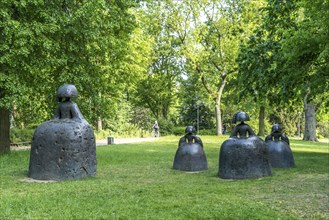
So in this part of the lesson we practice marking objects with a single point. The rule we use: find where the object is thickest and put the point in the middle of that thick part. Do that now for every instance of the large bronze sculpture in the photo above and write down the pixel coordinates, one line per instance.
(280, 154)
(190, 155)
(63, 148)
(243, 155)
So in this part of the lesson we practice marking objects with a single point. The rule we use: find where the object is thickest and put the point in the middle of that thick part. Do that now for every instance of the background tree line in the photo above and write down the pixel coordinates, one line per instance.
(178, 62)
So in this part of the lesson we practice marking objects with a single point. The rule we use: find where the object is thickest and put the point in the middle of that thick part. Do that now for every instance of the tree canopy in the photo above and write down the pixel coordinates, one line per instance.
(162, 60)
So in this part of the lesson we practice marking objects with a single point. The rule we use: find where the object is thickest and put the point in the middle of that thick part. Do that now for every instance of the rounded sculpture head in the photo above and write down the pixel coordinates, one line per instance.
(66, 91)
(189, 130)
(276, 128)
(240, 116)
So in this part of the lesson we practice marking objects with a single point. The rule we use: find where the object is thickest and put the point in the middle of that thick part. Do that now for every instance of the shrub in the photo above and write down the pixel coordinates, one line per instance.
(179, 131)
(166, 127)
(101, 134)
(207, 132)
(323, 129)
(21, 135)
(129, 130)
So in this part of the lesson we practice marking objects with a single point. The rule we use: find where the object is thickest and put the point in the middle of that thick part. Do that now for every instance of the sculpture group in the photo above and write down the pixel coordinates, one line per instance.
(64, 148)
(244, 155)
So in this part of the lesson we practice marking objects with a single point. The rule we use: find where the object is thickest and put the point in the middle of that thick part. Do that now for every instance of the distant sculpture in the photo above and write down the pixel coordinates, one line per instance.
(280, 154)
(243, 155)
(190, 155)
(63, 148)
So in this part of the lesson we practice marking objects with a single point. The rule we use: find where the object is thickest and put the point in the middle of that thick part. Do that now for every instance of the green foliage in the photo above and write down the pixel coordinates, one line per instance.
(130, 130)
(166, 126)
(142, 118)
(127, 131)
(194, 102)
(323, 130)
(45, 44)
(254, 125)
(288, 121)
(178, 130)
(285, 61)
(127, 122)
(101, 134)
(136, 181)
(133, 65)
(21, 135)
(156, 89)
(207, 132)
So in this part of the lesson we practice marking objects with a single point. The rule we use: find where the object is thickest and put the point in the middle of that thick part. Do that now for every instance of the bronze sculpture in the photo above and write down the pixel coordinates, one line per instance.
(190, 155)
(280, 154)
(63, 148)
(243, 155)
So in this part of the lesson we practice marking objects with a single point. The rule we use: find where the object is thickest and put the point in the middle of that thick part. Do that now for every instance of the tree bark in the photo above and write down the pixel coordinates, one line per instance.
(310, 122)
(99, 124)
(261, 125)
(298, 125)
(217, 98)
(4, 130)
(218, 118)
(218, 108)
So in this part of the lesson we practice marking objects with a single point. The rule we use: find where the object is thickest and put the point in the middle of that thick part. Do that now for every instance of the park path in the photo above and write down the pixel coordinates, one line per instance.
(101, 142)
(125, 140)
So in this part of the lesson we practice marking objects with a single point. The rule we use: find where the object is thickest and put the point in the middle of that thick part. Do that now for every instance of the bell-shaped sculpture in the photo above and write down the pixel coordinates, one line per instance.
(63, 148)
(280, 154)
(243, 155)
(190, 155)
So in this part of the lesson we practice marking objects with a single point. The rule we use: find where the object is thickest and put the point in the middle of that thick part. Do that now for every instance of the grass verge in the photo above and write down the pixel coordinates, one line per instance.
(136, 181)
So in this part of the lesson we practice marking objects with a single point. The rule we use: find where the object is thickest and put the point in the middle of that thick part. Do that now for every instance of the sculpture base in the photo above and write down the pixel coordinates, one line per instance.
(190, 157)
(243, 158)
(63, 150)
(280, 154)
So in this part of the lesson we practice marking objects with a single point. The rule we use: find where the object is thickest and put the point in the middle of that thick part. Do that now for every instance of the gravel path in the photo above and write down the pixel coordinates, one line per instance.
(125, 140)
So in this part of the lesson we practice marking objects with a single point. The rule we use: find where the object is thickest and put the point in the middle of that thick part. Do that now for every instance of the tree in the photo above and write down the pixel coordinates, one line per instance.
(47, 43)
(212, 45)
(157, 88)
(305, 57)
(286, 59)
(258, 53)
(194, 109)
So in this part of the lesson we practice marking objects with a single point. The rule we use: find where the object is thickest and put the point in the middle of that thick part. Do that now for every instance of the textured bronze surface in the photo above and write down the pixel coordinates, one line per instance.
(63, 148)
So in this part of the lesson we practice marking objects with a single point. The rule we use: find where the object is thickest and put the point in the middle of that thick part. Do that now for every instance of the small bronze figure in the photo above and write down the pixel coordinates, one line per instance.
(243, 155)
(63, 148)
(190, 155)
(280, 154)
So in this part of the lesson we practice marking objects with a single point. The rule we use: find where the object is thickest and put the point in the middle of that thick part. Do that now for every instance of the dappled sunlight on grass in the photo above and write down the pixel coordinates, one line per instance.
(301, 149)
(308, 146)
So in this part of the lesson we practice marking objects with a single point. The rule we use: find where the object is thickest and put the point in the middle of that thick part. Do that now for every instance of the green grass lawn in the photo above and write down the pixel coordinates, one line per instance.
(136, 181)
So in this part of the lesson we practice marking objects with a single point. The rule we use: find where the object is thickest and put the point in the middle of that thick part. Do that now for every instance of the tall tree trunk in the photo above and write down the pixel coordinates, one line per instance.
(298, 125)
(99, 124)
(99, 118)
(218, 108)
(217, 98)
(261, 125)
(310, 122)
(4, 130)
(218, 118)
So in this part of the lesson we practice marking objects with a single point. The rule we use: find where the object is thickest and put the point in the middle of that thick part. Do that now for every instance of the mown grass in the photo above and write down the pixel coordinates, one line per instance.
(136, 181)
